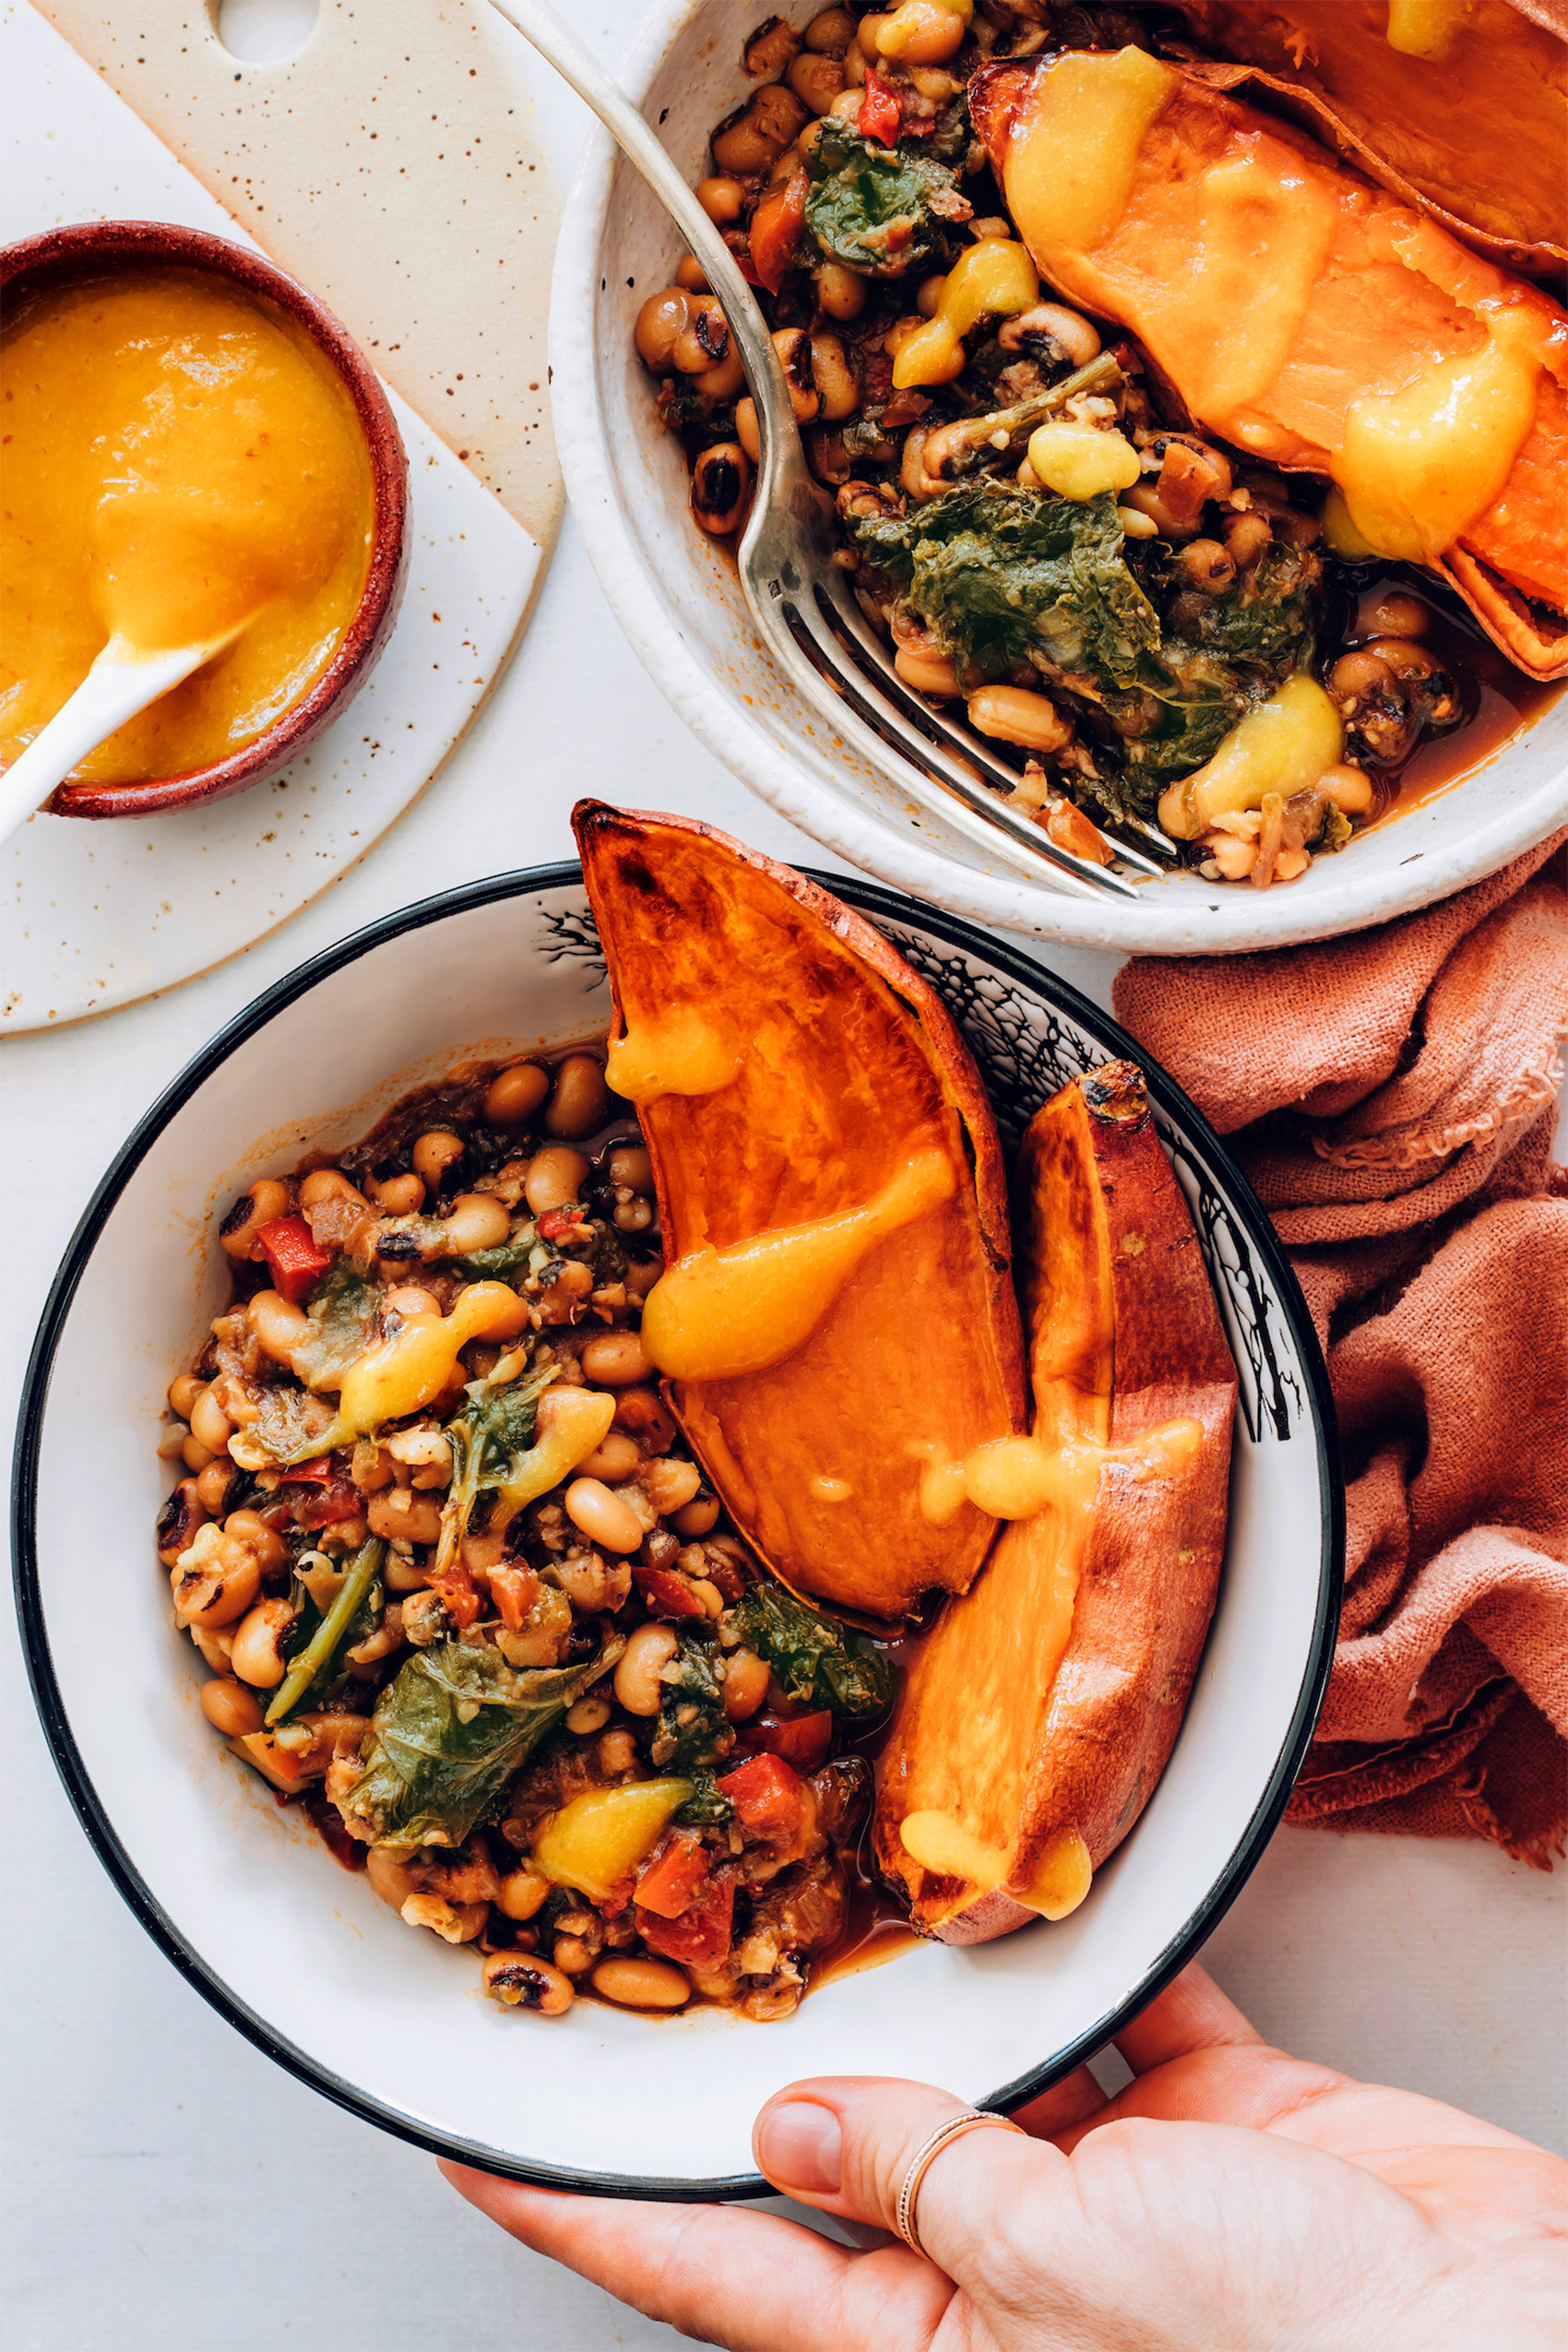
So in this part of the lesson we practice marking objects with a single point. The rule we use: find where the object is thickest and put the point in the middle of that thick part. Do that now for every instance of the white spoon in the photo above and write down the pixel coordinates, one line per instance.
(123, 681)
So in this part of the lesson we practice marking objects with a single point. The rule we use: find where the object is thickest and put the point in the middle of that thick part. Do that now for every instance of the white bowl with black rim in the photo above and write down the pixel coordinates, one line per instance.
(677, 596)
(300, 1955)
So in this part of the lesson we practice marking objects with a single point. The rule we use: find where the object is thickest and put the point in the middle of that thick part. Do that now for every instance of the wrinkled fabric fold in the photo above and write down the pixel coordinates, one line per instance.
(1391, 1096)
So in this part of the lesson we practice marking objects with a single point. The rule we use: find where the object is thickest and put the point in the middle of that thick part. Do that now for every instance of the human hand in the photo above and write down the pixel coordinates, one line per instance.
(1230, 2197)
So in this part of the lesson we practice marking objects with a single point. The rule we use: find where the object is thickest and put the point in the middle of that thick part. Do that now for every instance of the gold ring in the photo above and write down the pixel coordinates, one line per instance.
(968, 2119)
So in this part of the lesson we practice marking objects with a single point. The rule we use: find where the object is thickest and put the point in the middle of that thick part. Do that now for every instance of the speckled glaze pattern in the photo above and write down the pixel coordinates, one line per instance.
(98, 248)
(679, 600)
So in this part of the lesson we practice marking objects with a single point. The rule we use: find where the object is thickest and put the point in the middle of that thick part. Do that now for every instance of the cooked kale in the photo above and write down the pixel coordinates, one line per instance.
(877, 209)
(693, 1734)
(1004, 576)
(810, 1655)
(488, 1438)
(342, 1312)
(449, 1732)
(319, 1637)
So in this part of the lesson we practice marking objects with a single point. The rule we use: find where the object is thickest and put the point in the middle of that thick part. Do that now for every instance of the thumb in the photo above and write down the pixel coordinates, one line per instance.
(845, 2144)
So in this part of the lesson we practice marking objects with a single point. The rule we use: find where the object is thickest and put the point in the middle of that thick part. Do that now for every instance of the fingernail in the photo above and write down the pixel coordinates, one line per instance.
(801, 2145)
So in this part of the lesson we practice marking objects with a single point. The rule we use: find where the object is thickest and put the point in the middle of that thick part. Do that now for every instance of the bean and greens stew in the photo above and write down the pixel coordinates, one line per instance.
(466, 1597)
(1028, 523)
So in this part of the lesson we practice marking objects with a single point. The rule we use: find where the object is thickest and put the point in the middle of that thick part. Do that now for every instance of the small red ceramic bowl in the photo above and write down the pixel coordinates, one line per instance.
(96, 249)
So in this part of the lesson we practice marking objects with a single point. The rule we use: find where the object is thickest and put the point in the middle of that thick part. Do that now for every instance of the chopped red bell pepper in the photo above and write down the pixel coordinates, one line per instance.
(458, 1598)
(803, 1740)
(878, 117)
(556, 1223)
(513, 1591)
(668, 1883)
(775, 231)
(289, 1248)
(338, 1499)
(768, 1796)
(315, 1473)
(664, 1594)
(700, 1936)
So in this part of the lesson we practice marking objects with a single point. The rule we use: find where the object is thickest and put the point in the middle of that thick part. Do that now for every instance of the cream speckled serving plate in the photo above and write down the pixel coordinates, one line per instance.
(99, 915)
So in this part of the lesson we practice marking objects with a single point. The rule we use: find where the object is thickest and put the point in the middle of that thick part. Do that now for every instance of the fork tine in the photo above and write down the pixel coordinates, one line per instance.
(935, 723)
(809, 652)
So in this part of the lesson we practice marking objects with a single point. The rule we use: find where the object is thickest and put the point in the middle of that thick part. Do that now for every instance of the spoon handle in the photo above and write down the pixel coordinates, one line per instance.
(120, 683)
(637, 141)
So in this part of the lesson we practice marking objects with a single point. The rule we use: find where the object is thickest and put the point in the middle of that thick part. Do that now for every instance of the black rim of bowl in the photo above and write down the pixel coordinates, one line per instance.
(884, 904)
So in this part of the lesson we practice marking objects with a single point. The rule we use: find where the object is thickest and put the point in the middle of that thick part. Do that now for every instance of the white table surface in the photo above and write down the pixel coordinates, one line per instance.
(145, 2141)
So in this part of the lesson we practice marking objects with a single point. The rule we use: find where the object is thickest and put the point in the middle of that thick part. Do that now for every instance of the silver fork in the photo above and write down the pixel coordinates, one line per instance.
(805, 613)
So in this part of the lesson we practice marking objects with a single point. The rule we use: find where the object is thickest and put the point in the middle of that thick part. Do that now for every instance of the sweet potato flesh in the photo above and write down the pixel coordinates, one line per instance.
(1039, 1713)
(833, 1209)
(1477, 131)
(1314, 321)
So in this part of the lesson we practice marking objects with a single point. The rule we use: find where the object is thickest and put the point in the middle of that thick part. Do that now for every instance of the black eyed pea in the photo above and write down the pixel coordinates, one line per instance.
(1390, 613)
(669, 1484)
(691, 277)
(521, 1892)
(277, 1325)
(747, 431)
(213, 1483)
(389, 1875)
(515, 1094)
(325, 1185)
(398, 1196)
(587, 1717)
(604, 1516)
(834, 378)
(523, 1981)
(794, 349)
(1207, 566)
(453, 1922)
(778, 113)
(398, 1513)
(616, 1360)
(581, 1100)
(629, 1164)
(183, 1390)
(181, 1515)
(617, 1753)
(1348, 787)
(817, 80)
(267, 1199)
(476, 1222)
(615, 1459)
(641, 1984)
(704, 341)
(839, 293)
(743, 149)
(571, 1955)
(556, 1176)
(745, 1684)
(1246, 536)
(928, 671)
(720, 480)
(648, 1651)
(434, 1152)
(194, 1455)
(216, 1581)
(1013, 715)
(413, 1302)
(257, 1655)
(723, 201)
(660, 321)
(230, 1708)
(831, 33)
(769, 48)
(210, 1425)
(697, 1517)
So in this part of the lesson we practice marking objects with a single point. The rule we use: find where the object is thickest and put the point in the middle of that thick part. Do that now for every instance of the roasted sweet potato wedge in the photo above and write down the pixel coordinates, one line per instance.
(1470, 119)
(831, 1193)
(1306, 317)
(1039, 1713)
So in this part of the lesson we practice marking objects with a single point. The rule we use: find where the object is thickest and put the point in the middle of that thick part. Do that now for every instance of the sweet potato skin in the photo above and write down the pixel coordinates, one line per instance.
(1394, 295)
(1024, 1742)
(1476, 136)
(850, 1056)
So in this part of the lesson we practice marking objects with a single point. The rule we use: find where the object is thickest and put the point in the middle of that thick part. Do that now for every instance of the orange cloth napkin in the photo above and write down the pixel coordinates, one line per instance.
(1392, 1097)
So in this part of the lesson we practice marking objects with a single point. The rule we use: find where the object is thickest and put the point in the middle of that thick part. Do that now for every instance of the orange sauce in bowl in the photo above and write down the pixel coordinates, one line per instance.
(179, 458)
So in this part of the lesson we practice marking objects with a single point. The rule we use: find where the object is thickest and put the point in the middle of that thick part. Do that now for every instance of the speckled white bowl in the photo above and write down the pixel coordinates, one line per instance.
(239, 1892)
(678, 599)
